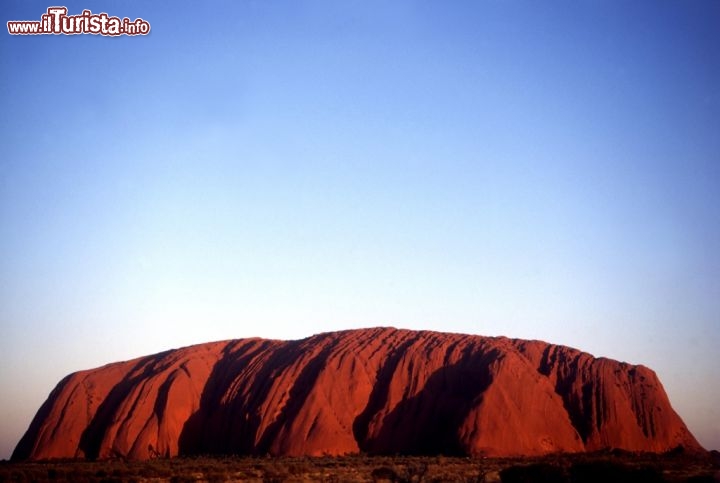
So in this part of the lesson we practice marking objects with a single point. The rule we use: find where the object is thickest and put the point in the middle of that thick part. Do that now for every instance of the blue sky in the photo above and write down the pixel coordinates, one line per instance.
(544, 170)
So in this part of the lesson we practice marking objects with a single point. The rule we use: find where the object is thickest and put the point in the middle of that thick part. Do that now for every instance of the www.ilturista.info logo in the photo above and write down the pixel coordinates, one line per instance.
(57, 21)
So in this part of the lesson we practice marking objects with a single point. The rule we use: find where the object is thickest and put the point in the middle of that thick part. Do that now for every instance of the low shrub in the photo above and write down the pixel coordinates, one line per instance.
(605, 471)
(535, 473)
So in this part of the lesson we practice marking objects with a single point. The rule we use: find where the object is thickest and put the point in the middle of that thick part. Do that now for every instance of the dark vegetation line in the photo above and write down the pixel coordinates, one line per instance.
(586, 468)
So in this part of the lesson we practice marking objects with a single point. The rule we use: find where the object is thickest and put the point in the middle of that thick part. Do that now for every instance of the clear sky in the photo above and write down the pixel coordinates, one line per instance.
(545, 170)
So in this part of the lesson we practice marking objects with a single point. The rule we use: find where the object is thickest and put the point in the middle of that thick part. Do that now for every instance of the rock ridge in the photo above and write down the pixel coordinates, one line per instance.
(379, 390)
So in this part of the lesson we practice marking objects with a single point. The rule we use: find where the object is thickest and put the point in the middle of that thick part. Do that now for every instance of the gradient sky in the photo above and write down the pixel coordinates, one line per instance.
(545, 170)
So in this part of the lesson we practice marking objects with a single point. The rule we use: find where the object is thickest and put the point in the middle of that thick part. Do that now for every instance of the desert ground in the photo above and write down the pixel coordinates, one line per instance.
(598, 467)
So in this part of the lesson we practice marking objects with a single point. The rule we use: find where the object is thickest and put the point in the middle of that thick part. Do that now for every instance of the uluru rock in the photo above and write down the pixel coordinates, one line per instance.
(377, 390)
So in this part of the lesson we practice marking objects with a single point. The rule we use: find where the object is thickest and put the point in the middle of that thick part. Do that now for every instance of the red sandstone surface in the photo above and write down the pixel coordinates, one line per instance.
(377, 390)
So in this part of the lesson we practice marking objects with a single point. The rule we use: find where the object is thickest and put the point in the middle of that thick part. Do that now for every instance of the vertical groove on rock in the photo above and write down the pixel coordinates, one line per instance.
(92, 437)
(379, 393)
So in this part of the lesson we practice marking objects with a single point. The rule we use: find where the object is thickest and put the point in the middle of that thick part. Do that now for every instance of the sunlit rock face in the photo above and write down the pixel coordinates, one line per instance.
(379, 390)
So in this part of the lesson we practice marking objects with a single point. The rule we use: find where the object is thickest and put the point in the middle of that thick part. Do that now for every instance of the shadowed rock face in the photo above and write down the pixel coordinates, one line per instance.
(374, 390)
